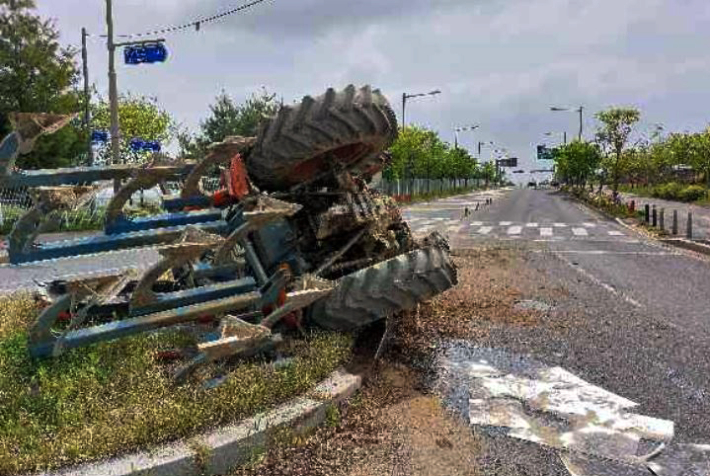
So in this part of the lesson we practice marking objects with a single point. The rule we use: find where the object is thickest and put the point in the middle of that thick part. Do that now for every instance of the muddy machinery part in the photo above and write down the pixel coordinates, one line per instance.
(258, 254)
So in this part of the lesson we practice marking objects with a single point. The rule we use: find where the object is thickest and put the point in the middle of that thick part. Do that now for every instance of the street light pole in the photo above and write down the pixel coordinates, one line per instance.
(580, 110)
(87, 113)
(112, 87)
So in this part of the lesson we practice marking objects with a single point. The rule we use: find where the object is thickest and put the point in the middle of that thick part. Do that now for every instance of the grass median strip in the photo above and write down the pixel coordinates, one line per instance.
(115, 397)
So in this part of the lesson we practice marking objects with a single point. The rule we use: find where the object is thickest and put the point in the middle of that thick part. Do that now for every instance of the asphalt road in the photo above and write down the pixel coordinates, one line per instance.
(636, 313)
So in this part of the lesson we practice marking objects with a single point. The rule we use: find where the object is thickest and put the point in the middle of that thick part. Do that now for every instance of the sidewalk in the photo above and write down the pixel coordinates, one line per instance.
(701, 215)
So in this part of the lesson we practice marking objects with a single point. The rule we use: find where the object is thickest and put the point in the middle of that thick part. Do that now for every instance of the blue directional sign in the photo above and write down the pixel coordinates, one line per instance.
(99, 137)
(140, 145)
(145, 53)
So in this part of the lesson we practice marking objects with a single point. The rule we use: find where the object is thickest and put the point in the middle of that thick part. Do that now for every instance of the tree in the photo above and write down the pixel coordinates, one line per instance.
(140, 117)
(614, 131)
(36, 75)
(576, 162)
(228, 119)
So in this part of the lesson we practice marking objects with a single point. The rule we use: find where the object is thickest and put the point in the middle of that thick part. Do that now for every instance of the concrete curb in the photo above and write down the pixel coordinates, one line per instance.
(687, 245)
(218, 451)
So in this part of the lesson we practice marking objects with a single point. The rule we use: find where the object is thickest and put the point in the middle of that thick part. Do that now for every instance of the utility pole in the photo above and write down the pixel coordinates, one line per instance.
(581, 108)
(564, 134)
(112, 88)
(87, 98)
(404, 103)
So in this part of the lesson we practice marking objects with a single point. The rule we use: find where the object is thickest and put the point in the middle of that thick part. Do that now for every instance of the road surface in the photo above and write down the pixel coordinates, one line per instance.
(636, 312)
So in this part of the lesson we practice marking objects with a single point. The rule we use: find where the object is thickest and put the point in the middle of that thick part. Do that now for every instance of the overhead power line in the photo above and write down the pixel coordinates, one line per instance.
(196, 24)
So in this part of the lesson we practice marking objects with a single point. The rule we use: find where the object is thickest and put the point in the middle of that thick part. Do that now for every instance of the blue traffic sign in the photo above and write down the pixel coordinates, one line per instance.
(99, 137)
(145, 53)
(140, 145)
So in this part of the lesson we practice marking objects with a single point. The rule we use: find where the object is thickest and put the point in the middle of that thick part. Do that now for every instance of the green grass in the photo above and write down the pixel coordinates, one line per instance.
(113, 397)
(81, 219)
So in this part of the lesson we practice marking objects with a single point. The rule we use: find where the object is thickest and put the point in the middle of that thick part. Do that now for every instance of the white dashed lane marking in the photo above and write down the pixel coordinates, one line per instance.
(560, 225)
(531, 225)
(589, 225)
(615, 233)
(505, 223)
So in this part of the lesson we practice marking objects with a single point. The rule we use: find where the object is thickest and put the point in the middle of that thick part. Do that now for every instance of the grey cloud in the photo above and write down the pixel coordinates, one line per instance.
(499, 63)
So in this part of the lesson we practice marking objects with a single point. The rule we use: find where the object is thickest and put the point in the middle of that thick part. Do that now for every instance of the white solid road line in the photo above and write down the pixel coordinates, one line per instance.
(545, 231)
(580, 232)
(515, 230)
(598, 282)
(615, 233)
(505, 223)
(484, 230)
(531, 225)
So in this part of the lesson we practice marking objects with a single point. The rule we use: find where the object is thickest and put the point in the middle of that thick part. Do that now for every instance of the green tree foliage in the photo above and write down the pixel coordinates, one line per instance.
(576, 162)
(420, 153)
(616, 126)
(228, 119)
(37, 75)
(139, 117)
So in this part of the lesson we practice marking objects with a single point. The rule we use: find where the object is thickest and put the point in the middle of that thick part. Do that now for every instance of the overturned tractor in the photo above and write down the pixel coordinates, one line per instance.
(295, 236)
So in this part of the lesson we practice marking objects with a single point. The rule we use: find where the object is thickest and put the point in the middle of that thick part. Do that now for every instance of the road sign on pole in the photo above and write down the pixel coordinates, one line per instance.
(543, 153)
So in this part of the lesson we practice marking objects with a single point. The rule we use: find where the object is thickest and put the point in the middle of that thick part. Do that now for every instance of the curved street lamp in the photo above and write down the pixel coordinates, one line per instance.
(580, 110)
(406, 96)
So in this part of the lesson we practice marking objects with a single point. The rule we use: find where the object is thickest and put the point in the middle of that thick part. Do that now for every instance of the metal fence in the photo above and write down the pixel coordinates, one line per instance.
(15, 202)
(415, 187)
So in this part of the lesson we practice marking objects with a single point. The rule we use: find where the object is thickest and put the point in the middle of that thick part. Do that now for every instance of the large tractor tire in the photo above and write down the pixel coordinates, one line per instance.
(338, 130)
(375, 292)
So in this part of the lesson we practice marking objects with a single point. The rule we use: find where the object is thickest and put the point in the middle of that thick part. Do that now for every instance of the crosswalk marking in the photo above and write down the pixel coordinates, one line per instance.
(545, 231)
(505, 223)
(484, 230)
(560, 225)
(580, 231)
(515, 230)
(531, 225)
(615, 233)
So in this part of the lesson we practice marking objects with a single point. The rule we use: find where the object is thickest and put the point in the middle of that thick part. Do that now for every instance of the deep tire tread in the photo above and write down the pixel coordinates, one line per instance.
(398, 283)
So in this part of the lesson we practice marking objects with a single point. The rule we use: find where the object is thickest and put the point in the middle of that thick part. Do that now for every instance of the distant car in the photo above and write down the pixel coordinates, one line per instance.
(532, 184)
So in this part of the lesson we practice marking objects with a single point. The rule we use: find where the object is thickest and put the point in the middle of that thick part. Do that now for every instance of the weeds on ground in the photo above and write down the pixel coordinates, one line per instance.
(113, 397)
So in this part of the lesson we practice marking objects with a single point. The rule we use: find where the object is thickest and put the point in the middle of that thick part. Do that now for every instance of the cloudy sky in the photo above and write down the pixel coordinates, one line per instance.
(498, 63)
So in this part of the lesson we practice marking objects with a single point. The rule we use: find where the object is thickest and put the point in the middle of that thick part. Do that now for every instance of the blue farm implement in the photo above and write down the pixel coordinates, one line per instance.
(294, 233)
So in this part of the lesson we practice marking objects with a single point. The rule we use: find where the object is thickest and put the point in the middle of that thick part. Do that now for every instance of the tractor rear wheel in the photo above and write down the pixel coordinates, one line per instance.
(347, 130)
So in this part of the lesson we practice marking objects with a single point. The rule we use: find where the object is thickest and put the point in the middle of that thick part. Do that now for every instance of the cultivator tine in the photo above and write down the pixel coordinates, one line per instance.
(101, 288)
(47, 201)
(144, 179)
(238, 338)
(220, 153)
(308, 289)
(28, 127)
(101, 292)
(193, 244)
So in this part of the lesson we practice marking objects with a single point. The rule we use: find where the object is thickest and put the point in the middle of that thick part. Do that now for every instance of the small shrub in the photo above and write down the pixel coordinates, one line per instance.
(691, 193)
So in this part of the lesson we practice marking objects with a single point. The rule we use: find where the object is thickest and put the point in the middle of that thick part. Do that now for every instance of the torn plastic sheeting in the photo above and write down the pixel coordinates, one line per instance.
(596, 421)
(682, 460)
